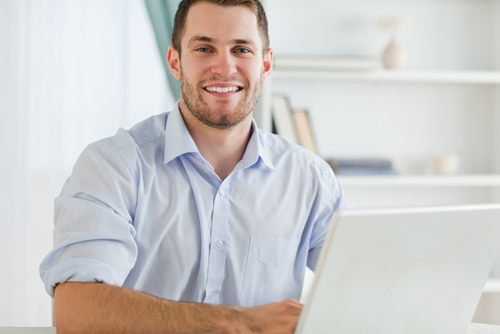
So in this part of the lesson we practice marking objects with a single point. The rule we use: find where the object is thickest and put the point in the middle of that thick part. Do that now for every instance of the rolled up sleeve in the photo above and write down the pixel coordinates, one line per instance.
(94, 232)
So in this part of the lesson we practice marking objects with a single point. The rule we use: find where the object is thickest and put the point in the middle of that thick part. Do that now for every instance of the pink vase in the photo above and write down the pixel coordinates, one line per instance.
(394, 56)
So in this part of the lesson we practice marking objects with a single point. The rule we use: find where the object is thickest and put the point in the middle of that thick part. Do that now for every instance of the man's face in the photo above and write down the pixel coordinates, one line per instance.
(222, 66)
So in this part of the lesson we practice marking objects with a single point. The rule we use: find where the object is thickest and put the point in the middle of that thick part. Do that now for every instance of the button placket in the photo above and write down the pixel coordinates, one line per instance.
(218, 249)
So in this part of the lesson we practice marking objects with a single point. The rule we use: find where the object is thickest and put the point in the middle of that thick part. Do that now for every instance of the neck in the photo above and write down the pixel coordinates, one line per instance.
(222, 148)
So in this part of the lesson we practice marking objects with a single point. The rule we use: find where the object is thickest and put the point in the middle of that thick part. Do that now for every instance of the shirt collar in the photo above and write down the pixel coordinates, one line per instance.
(178, 141)
(256, 149)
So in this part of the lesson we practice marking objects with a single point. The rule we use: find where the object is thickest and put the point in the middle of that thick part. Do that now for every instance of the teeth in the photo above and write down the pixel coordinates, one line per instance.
(222, 89)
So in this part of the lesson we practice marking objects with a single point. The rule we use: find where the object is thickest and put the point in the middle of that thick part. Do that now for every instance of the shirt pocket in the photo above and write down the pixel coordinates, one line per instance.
(269, 275)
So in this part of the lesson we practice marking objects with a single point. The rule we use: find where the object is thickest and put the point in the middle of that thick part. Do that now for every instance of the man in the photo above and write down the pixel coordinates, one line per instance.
(195, 220)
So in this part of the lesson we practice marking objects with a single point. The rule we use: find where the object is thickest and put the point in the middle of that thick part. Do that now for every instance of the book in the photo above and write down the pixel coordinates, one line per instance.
(326, 62)
(362, 162)
(362, 166)
(282, 118)
(359, 171)
(305, 134)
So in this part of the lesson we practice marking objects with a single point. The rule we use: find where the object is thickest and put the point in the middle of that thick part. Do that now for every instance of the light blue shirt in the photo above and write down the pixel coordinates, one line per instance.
(144, 210)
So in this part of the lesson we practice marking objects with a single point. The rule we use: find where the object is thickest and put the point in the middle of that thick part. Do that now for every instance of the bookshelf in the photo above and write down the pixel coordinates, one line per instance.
(452, 77)
(447, 99)
(454, 112)
(420, 190)
(473, 181)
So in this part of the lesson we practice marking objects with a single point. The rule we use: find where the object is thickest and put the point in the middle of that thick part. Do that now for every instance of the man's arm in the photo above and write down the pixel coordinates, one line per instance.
(102, 308)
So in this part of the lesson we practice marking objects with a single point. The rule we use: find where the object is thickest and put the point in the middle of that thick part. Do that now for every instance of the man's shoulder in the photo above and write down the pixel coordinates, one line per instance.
(131, 146)
(142, 133)
(293, 158)
(296, 162)
(149, 129)
(277, 146)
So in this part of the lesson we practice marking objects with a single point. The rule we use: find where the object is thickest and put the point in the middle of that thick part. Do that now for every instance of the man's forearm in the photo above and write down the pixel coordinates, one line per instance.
(101, 308)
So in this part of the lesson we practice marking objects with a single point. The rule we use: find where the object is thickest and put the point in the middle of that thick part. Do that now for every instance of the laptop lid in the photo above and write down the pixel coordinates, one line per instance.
(417, 270)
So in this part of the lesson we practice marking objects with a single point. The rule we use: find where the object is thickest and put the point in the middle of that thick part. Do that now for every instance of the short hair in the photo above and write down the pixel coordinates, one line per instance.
(184, 6)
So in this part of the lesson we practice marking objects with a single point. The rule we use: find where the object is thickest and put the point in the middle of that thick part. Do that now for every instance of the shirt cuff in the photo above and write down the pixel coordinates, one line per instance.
(80, 270)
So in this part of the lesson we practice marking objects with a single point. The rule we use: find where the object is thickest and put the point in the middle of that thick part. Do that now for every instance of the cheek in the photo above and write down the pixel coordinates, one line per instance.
(250, 70)
(193, 68)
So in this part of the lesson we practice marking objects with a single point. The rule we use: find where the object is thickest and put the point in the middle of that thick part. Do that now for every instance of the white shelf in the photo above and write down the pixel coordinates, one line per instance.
(459, 77)
(492, 286)
(489, 180)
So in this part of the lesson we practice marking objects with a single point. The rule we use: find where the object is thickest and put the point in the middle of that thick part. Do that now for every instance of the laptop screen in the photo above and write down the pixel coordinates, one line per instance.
(417, 270)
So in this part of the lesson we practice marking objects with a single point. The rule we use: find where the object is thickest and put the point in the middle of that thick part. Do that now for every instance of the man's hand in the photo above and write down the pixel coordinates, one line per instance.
(102, 308)
(275, 318)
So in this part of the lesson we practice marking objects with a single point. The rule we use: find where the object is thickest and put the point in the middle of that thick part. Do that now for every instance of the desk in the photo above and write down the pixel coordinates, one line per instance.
(27, 330)
(473, 329)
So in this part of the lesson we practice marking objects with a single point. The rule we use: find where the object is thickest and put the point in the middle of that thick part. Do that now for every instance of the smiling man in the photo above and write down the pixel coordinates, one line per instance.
(194, 220)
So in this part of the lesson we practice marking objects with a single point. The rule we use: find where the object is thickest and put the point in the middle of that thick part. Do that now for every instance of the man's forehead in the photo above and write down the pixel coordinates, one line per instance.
(221, 24)
(208, 39)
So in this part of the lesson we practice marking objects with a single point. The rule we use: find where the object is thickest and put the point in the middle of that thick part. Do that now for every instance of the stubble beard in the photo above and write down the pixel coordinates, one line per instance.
(219, 119)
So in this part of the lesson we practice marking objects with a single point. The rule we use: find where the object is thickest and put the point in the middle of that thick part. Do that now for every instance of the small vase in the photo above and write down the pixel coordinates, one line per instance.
(394, 56)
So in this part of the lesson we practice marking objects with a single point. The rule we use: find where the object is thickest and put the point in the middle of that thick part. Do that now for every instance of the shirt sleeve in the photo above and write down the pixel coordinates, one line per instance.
(94, 232)
(333, 202)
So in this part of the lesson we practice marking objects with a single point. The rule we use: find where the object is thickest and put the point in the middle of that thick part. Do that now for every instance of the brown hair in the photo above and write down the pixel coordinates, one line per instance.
(182, 11)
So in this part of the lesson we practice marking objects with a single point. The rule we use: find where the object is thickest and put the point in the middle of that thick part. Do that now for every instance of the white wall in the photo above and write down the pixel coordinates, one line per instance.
(496, 122)
(11, 168)
(71, 72)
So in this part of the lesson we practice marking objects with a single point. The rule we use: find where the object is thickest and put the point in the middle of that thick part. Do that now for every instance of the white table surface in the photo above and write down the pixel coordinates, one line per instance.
(30, 330)
(473, 329)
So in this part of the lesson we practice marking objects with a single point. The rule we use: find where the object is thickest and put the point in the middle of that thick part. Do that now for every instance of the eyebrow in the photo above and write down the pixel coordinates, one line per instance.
(207, 39)
(199, 38)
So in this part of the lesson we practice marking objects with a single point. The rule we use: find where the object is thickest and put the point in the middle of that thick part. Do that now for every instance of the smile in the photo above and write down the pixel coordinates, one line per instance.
(222, 89)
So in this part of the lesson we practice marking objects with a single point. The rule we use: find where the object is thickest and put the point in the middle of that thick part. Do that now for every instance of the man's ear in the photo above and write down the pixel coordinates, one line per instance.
(267, 65)
(174, 62)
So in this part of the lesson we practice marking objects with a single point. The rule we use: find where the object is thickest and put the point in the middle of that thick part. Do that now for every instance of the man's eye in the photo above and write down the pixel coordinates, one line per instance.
(242, 50)
(203, 49)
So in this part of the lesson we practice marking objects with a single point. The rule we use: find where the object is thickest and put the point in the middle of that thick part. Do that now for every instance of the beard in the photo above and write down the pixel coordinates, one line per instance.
(222, 117)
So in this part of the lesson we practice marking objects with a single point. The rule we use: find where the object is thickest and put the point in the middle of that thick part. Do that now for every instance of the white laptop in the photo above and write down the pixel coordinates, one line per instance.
(411, 271)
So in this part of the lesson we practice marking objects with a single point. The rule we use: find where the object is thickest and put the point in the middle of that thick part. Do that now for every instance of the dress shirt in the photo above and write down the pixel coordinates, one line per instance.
(144, 210)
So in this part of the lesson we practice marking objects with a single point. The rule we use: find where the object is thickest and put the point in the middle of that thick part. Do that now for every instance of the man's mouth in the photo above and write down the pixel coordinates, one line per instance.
(213, 89)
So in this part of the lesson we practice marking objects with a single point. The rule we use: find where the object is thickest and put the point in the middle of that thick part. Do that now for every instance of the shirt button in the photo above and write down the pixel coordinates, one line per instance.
(222, 191)
(213, 294)
(220, 244)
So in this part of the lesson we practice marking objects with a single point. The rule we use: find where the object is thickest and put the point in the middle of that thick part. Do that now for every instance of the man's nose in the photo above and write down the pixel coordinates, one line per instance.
(224, 65)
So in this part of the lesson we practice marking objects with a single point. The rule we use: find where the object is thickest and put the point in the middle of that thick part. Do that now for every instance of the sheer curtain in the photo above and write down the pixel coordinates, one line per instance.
(71, 72)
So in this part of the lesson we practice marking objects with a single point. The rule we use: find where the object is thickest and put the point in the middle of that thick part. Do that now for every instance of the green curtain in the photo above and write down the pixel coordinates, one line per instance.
(161, 13)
